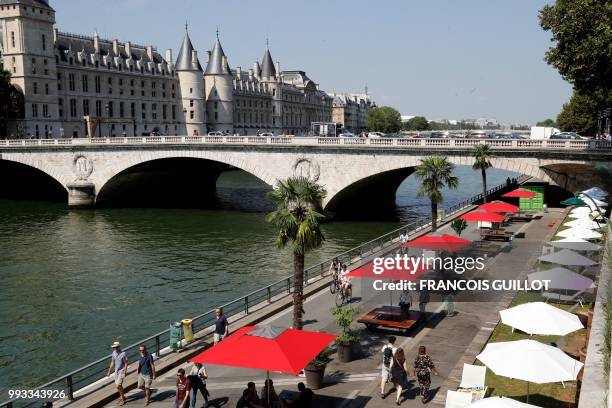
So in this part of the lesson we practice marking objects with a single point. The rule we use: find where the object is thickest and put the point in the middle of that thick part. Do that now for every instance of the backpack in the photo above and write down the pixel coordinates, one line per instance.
(387, 356)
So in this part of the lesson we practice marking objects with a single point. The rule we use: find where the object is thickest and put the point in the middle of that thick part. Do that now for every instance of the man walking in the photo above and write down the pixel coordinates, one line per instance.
(183, 387)
(120, 364)
(221, 326)
(146, 372)
(387, 351)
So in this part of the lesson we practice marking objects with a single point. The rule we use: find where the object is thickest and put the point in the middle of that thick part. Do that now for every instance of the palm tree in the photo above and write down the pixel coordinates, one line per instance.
(482, 155)
(435, 173)
(298, 202)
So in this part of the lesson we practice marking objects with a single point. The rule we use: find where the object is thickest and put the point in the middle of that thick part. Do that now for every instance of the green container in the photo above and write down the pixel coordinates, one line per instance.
(532, 204)
(176, 335)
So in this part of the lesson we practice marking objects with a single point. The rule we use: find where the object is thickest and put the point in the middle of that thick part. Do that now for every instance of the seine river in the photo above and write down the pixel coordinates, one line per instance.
(72, 282)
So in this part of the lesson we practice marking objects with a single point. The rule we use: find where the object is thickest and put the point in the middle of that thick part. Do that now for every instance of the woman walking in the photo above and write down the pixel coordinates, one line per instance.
(423, 367)
(399, 373)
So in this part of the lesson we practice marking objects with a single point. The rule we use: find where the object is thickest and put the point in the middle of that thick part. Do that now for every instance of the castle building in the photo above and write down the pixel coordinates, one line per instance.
(86, 86)
(350, 109)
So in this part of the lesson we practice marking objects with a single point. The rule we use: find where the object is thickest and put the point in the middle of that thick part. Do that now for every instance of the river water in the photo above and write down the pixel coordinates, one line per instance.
(72, 282)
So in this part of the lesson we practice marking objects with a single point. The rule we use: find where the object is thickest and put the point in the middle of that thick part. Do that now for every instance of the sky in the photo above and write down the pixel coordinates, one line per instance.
(440, 58)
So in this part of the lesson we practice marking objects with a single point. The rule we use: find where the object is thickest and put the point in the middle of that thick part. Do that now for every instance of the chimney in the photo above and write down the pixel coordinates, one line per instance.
(128, 49)
(223, 61)
(116, 47)
(150, 52)
(256, 69)
(96, 43)
(278, 71)
(194, 59)
(55, 34)
(169, 56)
(208, 55)
(238, 71)
(250, 74)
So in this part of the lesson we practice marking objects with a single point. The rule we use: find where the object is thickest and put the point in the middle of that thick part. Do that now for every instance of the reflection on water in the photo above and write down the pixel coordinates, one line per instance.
(74, 281)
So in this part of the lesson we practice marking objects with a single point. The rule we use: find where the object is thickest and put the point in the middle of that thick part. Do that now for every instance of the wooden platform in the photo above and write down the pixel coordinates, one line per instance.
(390, 317)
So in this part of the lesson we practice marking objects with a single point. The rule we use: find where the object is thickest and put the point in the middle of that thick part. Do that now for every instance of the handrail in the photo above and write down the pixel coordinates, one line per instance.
(382, 143)
(265, 295)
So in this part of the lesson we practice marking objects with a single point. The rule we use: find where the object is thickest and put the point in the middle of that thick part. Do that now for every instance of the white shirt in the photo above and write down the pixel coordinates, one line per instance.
(201, 372)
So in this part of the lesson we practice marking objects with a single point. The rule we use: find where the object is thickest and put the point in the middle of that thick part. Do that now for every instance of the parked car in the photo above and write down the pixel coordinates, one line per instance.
(217, 133)
(376, 135)
(266, 134)
(347, 134)
(567, 136)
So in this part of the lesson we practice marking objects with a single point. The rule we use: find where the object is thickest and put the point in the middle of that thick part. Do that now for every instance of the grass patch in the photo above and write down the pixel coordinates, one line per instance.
(551, 395)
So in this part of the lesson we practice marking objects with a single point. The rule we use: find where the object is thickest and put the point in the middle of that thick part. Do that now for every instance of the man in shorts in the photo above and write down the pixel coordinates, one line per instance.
(146, 372)
(387, 351)
(120, 364)
(221, 325)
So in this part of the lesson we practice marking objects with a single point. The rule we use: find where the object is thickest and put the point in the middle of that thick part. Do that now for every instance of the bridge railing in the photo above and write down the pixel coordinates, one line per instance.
(91, 374)
(402, 143)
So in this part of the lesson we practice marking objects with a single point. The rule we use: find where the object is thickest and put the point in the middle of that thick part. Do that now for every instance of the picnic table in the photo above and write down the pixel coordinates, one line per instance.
(521, 217)
(391, 317)
(496, 234)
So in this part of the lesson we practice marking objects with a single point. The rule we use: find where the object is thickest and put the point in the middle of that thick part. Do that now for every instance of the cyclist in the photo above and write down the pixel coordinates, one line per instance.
(345, 281)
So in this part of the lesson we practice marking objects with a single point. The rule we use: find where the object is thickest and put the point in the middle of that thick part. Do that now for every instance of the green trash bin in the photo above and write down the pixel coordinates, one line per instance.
(176, 335)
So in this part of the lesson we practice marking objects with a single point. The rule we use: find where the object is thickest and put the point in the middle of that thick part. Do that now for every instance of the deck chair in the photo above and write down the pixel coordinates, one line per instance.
(473, 376)
(561, 298)
(457, 399)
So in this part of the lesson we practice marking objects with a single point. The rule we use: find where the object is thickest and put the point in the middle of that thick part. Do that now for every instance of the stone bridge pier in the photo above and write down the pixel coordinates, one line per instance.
(355, 177)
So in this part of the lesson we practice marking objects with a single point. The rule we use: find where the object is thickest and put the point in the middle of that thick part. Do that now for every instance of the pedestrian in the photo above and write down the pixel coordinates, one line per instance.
(221, 325)
(253, 397)
(269, 398)
(119, 363)
(197, 379)
(423, 300)
(304, 400)
(388, 351)
(146, 372)
(183, 388)
(399, 373)
(508, 182)
(405, 302)
(423, 367)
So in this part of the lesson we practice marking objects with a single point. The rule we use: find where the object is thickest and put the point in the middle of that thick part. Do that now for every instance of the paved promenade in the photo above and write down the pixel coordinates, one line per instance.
(451, 341)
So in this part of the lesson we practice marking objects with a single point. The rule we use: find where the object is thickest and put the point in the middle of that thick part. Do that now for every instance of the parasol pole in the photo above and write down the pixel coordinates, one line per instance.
(268, 386)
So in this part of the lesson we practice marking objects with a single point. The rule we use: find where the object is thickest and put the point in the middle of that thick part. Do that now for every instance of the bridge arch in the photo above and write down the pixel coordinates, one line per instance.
(26, 179)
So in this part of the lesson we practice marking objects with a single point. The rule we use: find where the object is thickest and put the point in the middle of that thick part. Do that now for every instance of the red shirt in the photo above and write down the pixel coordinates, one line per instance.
(182, 388)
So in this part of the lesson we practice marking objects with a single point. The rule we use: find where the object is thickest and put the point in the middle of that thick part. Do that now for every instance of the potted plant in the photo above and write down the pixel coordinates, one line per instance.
(347, 339)
(315, 371)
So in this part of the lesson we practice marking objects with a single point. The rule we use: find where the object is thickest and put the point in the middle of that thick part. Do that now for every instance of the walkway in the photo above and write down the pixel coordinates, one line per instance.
(450, 340)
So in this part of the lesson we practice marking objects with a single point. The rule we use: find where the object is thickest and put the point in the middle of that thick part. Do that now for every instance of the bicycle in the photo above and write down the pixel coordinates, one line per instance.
(344, 296)
(334, 285)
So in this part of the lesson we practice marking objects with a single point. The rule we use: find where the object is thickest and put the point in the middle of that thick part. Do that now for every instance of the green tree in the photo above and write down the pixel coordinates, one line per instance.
(435, 173)
(547, 123)
(383, 119)
(581, 52)
(482, 155)
(298, 203)
(417, 123)
(458, 225)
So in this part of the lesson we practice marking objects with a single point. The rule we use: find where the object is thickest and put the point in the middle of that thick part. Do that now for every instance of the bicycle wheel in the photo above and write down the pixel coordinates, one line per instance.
(332, 286)
(339, 299)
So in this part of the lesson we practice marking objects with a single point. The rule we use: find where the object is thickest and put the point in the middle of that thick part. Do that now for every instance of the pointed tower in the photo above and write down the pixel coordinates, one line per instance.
(191, 83)
(219, 86)
(270, 75)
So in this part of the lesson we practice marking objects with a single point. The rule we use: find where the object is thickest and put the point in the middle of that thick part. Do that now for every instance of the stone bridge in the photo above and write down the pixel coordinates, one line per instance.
(363, 171)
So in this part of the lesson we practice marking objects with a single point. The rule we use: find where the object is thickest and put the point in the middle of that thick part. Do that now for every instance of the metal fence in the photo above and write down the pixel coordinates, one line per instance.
(94, 371)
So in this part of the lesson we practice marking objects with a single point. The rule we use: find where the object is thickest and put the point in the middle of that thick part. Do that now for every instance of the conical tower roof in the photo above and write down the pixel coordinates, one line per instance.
(215, 62)
(267, 68)
(184, 61)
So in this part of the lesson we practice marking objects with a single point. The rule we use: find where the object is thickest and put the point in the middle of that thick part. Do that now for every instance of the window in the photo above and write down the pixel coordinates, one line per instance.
(121, 109)
(144, 110)
(45, 110)
(85, 83)
(110, 109)
(216, 116)
(173, 112)
(71, 82)
(44, 42)
(35, 87)
(98, 108)
(73, 108)
(164, 112)
(191, 103)
(110, 80)
(133, 109)
(97, 83)
(60, 102)
(46, 89)
(190, 114)
(216, 105)
(190, 90)
(154, 111)
(13, 39)
(86, 107)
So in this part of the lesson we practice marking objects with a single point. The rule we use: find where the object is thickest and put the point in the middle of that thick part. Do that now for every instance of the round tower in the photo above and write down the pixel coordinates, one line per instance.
(219, 85)
(191, 84)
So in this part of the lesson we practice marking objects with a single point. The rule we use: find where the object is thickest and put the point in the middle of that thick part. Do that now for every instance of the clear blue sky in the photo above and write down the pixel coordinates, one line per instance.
(442, 59)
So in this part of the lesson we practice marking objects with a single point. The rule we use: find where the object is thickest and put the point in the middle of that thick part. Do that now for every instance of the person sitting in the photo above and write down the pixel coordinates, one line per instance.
(304, 400)
(244, 402)
(268, 396)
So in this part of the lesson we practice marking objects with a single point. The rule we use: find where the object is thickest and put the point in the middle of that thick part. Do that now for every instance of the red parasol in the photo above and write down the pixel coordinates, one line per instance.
(499, 207)
(269, 348)
(442, 242)
(483, 216)
(410, 272)
(520, 193)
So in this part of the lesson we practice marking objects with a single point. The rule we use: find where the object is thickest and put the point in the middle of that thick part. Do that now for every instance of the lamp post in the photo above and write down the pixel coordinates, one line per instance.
(106, 108)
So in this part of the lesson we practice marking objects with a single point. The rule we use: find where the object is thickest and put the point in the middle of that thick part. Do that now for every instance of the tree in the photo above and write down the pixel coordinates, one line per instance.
(435, 173)
(580, 114)
(482, 155)
(298, 203)
(582, 33)
(417, 123)
(547, 123)
(458, 225)
(383, 119)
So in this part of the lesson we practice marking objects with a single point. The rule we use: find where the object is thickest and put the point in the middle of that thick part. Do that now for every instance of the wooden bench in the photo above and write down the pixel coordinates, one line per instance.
(520, 218)
(496, 235)
(390, 317)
